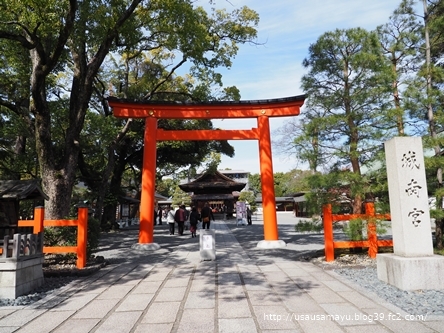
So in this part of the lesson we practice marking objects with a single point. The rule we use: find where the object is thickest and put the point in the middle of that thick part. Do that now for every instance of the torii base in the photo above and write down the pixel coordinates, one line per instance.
(274, 244)
(145, 246)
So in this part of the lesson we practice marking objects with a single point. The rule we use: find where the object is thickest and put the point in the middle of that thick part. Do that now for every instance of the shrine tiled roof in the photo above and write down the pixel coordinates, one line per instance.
(21, 189)
(210, 183)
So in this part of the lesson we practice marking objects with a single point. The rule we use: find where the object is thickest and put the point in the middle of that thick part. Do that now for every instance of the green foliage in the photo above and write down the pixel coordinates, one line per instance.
(347, 107)
(67, 236)
(254, 182)
(401, 39)
(180, 197)
(250, 198)
(348, 84)
(381, 227)
(437, 214)
(314, 225)
(93, 236)
(211, 162)
(166, 186)
(300, 137)
(60, 236)
(58, 53)
(355, 229)
(285, 183)
(297, 181)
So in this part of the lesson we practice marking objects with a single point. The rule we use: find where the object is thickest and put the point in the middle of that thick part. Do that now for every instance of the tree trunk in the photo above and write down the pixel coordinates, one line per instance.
(439, 224)
(430, 117)
(114, 187)
(57, 185)
(109, 216)
(104, 188)
(110, 169)
(134, 209)
(357, 204)
(396, 100)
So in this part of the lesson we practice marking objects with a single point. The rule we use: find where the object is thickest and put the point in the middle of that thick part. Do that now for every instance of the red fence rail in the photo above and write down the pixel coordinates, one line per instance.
(372, 242)
(39, 223)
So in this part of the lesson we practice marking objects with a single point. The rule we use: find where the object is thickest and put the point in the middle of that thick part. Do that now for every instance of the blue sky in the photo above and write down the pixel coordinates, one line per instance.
(274, 69)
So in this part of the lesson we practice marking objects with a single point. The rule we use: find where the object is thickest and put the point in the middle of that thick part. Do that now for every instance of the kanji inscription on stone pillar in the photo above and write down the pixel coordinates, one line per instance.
(409, 206)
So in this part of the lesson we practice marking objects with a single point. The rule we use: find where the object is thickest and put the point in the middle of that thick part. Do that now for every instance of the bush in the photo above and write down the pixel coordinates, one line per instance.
(356, 229)
(67, 236)
(93, 236)
(315, 225)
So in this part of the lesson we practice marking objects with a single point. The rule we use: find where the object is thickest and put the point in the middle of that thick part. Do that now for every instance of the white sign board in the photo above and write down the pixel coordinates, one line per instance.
(207, 242)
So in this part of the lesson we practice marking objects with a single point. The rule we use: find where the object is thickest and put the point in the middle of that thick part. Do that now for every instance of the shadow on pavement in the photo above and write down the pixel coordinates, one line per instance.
(299, 246)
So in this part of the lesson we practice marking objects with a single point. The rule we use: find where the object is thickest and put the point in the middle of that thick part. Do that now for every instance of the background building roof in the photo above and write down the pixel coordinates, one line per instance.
(21, 189)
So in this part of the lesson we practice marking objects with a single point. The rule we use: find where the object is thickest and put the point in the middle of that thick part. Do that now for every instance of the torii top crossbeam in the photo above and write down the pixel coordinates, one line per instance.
(279, 107)
(262, 110)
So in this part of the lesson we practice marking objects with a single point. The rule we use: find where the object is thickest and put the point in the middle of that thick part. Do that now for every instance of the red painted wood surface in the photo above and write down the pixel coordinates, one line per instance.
(38, 224)
(261, 110)
(372, 243)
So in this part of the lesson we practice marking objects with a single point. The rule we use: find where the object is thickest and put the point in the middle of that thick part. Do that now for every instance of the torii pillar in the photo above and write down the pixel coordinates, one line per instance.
(262, 110)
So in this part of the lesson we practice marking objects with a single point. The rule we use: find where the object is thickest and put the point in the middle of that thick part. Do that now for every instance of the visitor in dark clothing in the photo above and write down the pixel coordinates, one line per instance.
(206, 214)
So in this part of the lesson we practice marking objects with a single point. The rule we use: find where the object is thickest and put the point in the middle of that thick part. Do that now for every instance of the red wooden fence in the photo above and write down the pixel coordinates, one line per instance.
(372, 242)
(38, 224)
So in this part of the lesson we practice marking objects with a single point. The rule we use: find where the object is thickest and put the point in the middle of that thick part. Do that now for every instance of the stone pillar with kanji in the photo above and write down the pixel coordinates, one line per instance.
(412, 265)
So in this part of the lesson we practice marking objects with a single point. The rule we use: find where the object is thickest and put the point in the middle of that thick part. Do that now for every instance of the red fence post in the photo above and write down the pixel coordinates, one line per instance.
(371, 230)
(39, 216)
(328, 232)
(82, 236)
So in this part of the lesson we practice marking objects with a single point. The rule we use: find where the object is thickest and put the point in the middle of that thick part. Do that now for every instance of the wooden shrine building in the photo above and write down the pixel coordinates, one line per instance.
(215, 188)
(12, 192)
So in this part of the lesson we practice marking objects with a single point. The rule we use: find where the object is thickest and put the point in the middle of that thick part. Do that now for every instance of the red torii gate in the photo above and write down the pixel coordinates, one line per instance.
(262, 110)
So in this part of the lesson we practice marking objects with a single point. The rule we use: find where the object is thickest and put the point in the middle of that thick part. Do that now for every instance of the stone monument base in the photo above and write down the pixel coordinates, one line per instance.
(19, 277)
(274, 244)
(411, 273)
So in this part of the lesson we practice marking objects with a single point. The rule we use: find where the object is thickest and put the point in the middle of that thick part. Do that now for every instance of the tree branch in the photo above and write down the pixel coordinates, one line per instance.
(148, 96)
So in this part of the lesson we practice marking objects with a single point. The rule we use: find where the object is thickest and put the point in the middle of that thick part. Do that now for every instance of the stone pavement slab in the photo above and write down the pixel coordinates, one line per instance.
(243, 290)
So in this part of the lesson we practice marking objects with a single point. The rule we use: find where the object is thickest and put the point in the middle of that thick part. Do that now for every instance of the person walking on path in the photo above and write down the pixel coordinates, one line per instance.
(249, 215)
(187, 218)
(206, 214)
(170, 220)
(180, 216)
(159, 215)
(194, 219)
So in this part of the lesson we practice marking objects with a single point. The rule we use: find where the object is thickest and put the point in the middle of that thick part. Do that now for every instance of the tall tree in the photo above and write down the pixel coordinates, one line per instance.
(67, 43)
(254, 183)
(347, 87)
(433, 76)
(401, 39)
(133, 77)
(16, 124)
(424, 100)
(299, 137)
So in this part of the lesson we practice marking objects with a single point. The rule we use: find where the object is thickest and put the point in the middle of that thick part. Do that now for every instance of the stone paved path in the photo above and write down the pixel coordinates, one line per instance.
(244, 290)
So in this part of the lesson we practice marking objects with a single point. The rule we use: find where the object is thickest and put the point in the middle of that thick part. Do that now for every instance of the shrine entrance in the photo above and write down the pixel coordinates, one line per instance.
(262, 110)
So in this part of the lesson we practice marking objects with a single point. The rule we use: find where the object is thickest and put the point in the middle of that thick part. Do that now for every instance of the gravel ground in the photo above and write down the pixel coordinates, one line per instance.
(58, 273)
(419, 302)
(361, 270)
(50, 285)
